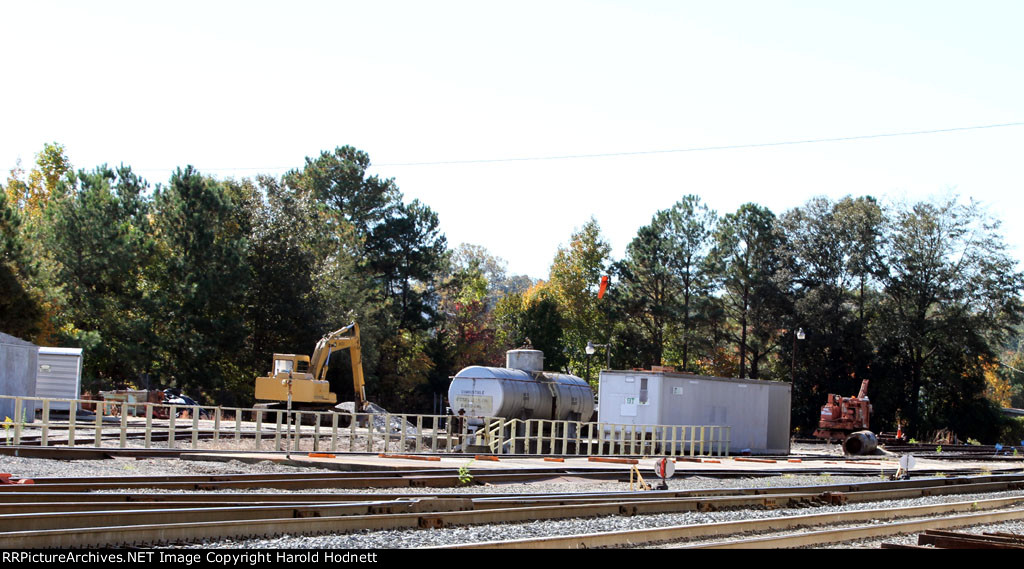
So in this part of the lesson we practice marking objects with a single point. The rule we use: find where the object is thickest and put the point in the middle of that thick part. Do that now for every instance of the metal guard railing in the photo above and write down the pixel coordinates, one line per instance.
(116, 424)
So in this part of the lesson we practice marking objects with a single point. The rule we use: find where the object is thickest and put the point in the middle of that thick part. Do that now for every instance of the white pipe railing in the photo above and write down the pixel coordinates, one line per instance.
(157, 425)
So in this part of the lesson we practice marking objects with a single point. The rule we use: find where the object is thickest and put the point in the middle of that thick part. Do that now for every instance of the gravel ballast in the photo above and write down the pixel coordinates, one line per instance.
(543, 528)
(28, 468)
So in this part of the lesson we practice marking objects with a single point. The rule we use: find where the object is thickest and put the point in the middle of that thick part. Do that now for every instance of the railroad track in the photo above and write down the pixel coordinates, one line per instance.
(939, 539)
(796, 531)
(397, 478)
(37, 518)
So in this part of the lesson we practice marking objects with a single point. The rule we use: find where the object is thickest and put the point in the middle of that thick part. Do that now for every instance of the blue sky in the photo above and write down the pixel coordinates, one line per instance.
(239, 88)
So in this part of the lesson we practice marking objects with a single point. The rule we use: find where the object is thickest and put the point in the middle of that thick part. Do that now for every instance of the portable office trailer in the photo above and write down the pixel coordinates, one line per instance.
(18, 362)
(757, 412)
(59, 375)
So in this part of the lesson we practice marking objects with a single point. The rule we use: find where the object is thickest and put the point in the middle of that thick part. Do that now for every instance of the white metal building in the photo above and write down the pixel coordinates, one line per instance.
(758, 412)
(18, 362)
(59, 375)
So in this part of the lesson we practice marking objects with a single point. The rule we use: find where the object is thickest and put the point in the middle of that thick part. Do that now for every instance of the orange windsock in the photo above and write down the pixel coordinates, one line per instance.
(604, 287)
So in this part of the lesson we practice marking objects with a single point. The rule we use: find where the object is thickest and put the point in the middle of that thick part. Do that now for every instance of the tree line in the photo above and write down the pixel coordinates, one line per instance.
(195, 282)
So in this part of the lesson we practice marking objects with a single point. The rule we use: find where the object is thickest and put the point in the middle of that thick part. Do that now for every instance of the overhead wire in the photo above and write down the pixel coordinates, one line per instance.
(708, 148)
(653, 152)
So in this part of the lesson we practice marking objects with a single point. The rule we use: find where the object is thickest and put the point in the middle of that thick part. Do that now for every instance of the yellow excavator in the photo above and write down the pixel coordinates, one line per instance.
(303, 379)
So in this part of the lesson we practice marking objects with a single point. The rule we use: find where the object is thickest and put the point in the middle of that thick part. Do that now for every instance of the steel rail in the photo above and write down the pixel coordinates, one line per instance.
(94, 528)
(60, 490)
(440, 480)
(90, 519)
(519, 512)
(721, 529)
(67, 501)
(824, 537)
(918, 481)
(396, 477)
(367, 473)
(62, 507)
(175, 532)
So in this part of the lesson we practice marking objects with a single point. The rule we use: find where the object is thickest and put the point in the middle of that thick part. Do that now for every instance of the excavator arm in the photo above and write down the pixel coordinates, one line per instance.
(347, 337)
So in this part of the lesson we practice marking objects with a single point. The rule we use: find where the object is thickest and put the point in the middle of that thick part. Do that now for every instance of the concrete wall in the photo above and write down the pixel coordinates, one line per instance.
(19, 361)
(757, 412)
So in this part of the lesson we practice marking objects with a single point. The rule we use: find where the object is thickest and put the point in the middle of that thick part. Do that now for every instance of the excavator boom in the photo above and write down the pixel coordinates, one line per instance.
(319, 362)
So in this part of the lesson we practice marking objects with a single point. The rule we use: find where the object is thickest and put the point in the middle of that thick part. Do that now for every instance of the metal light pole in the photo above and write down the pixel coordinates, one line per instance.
(798, 336)
(592, 347)
(288, 419)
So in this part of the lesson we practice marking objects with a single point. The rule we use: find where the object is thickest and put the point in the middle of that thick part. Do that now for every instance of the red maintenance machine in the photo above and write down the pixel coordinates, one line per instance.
(847, 419)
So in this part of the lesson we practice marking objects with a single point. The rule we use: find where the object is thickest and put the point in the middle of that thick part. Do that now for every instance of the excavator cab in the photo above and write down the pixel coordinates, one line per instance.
(288, 363)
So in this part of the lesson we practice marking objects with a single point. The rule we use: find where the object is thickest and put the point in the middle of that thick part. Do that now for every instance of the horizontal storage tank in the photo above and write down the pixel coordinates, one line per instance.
(517, 394)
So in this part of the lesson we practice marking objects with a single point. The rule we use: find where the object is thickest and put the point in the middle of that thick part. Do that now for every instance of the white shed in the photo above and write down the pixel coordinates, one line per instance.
(59, 375)
(757, 412)
(17, 375)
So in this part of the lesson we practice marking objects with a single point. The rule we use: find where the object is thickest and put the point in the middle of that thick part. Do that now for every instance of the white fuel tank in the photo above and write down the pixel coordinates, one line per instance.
(517, 394)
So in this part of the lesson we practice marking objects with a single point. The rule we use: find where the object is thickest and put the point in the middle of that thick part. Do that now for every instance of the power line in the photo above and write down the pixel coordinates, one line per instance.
(707, 148)
(650, 152)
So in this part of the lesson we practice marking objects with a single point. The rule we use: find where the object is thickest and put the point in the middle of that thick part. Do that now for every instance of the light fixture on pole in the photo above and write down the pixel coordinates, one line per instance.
(592, 348)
